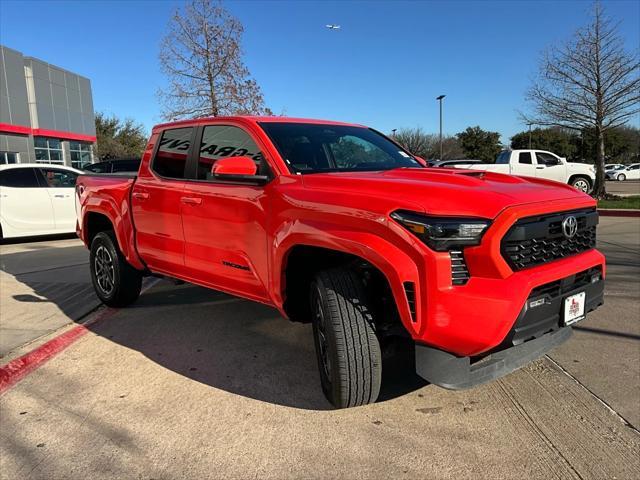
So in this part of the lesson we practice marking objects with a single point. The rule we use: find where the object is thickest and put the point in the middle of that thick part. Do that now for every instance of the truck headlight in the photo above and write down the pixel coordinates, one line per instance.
(443, 233)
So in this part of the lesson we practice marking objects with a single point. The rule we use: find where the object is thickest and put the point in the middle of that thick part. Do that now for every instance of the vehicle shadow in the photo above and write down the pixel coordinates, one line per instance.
(235, 345)
(215, 339)
(38, 238)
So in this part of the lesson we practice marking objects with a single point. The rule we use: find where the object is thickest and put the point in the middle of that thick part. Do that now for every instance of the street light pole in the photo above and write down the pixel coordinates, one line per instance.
(529, 136)
(439, 98)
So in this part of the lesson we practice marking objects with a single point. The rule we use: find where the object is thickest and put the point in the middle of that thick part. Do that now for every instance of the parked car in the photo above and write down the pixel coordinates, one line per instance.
(542, 164)
(452, 163)
(335, 224)
(632, 172)
(114, 166)
(37, 199)
(614, 166)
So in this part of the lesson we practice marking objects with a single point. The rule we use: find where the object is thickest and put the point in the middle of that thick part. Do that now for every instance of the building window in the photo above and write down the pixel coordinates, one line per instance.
(8, 157)
(48, 150)
(80, 154)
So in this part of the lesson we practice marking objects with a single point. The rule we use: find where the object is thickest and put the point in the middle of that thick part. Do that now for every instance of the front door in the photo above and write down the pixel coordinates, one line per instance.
(224, 223)
(155, 202)
(60, 185)
(551, 167)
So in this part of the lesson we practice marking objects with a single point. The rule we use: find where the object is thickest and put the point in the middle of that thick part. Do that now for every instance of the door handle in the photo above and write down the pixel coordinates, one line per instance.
(191, 200)
(540, 168)
(140, 195)
(60, 196)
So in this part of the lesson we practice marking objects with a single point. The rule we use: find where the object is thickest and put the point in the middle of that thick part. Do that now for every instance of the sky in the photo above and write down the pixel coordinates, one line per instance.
(383, 68)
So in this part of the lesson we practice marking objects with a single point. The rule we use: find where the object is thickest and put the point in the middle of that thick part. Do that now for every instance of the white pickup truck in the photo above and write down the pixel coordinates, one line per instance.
(538, 163)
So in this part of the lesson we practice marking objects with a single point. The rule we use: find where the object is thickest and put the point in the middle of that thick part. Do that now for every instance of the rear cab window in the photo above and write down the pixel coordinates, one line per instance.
(504, 157)
(171, 156)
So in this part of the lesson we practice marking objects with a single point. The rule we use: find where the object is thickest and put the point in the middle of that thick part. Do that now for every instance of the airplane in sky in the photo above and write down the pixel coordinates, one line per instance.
(332, 26)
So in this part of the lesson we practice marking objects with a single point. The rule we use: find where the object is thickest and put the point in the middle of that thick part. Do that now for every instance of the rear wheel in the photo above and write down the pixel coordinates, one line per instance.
(621, 177)
(347, 349)
(116, 283)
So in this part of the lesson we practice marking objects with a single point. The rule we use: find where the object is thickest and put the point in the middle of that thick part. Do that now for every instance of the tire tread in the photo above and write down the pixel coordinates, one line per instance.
(357, 346)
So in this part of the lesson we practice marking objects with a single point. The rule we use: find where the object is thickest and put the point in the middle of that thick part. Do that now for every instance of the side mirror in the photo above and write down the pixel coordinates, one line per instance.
(234, 166)
(238, 169)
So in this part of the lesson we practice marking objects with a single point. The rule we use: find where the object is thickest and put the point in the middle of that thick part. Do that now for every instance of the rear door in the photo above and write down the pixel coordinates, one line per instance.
(156, 202)
(60, 185)
(225, 222)
(25, 206)
(550, 167)
(523, 164)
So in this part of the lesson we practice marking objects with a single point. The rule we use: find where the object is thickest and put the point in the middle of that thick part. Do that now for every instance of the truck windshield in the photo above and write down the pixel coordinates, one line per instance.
(504, 157)
(315, 148)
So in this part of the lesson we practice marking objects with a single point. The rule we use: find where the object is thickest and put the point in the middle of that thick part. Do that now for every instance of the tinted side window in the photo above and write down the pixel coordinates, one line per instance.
(525, 157)
(173, 150)
(221, 141)
(19, 178)
(100, 167)
(546, 159)
(59, 178)
(126, 166)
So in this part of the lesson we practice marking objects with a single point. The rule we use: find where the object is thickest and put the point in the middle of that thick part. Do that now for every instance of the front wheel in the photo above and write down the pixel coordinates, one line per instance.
(117, 284)
(621, 177)
(581, 183)
(348, 351)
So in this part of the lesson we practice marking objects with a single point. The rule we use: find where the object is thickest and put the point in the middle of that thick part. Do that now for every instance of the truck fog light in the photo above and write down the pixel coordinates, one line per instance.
(596, 277)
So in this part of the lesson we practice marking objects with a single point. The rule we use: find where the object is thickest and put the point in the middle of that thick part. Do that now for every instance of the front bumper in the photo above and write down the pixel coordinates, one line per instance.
(536, 331)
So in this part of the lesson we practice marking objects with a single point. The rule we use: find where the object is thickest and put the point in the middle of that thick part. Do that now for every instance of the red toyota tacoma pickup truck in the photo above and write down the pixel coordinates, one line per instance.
(338, 225)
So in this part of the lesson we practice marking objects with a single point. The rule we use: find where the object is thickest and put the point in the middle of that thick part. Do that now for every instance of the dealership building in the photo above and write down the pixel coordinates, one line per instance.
(46, 113)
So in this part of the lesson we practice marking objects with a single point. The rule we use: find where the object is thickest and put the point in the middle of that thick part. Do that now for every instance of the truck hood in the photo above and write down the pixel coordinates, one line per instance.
(442, 191)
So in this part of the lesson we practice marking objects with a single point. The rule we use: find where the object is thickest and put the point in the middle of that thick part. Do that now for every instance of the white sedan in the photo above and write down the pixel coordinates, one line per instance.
(632, 172)
(37, 199)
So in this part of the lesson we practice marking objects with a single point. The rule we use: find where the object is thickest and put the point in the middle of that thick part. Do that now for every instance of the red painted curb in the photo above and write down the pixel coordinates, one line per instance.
(14, 371)
(607, 212)
(17, 369)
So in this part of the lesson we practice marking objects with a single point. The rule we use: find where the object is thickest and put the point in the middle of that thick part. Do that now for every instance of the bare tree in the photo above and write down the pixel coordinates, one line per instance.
(589, 83)
(202, 58)
(427, 145)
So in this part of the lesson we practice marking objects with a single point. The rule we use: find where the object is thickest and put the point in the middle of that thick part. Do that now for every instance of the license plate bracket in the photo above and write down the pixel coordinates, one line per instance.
(574, 306)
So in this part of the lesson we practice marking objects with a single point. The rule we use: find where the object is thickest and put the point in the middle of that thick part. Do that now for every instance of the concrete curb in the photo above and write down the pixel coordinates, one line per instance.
(18, 368)
(618, 212)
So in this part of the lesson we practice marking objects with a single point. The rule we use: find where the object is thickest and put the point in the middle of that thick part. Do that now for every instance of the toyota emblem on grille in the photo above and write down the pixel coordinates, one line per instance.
(570, 226)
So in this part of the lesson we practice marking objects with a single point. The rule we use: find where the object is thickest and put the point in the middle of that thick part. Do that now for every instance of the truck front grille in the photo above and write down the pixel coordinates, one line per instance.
(536, 240)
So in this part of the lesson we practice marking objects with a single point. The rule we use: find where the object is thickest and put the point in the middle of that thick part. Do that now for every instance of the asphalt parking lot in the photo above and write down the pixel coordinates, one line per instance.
(190, 383)
(624, 189)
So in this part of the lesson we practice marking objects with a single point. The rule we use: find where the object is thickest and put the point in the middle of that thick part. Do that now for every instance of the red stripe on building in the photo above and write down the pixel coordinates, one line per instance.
(5, 127)
(41, 132)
